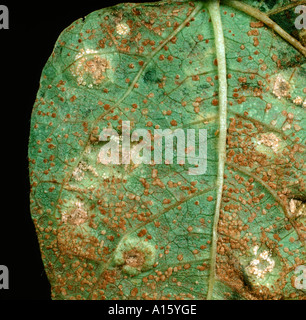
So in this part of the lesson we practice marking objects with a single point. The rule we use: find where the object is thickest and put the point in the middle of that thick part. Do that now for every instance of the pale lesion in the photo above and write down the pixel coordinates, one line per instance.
(96, 67)
(261, 265)
(297, 208)
(89, 64)
(122, 29)
(281, 87)
(79, 172)
(76, 215)
(134, 258)
(270, 140)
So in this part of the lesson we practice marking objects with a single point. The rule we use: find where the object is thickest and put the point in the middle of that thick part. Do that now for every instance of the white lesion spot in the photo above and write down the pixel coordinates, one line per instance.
(122, 29)
(255, 249)
(281, 87)
(298, 101)
(88, 63)
(76, 215)
(79, 172)
(96, 67)
(297, 208)
(262, 264)
(270, 140)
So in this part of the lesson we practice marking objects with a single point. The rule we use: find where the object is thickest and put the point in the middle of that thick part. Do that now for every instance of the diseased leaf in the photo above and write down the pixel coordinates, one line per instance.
(154, 231)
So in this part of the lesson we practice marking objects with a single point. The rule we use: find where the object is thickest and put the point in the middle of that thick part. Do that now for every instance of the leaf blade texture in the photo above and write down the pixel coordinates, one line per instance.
(144, 231)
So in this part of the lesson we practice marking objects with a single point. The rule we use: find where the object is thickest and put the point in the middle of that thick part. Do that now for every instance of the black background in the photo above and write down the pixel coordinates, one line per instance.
(34, 28)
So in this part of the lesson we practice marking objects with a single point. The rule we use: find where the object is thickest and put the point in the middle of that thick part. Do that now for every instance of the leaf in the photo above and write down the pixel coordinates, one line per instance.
(146, 231)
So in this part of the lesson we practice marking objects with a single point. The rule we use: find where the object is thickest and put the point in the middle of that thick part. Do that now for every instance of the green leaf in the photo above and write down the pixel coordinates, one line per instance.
(153, 231)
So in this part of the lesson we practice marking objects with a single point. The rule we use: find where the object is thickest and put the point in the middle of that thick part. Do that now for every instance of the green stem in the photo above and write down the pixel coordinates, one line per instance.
(257, 14)
(214, 11)
(287, 7)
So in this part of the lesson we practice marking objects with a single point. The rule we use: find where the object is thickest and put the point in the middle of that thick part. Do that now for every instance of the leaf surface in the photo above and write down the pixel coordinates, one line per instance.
(151, 231)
